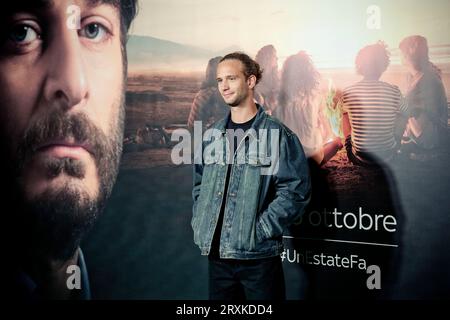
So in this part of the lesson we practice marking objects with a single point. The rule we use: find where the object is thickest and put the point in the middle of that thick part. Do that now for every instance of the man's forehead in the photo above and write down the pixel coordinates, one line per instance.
(43, 5)
(230, 66)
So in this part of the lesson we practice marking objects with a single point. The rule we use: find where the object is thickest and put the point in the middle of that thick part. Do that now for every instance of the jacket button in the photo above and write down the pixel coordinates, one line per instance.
(219, 193)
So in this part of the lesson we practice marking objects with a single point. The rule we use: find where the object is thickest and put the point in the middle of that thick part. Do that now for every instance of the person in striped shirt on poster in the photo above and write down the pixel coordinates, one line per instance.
(373, 110)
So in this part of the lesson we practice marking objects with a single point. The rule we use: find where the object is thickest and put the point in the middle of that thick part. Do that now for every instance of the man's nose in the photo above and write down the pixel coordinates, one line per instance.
(66, 83)
(225, 85)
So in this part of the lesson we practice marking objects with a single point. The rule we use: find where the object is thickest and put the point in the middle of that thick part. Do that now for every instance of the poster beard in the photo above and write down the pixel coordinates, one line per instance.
(53, 223)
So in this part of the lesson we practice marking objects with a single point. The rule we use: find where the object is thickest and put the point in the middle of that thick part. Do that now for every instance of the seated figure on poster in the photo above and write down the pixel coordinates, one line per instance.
(266, 93)
(208, 106)
(300, 107)
(371, 110)
(427, 126)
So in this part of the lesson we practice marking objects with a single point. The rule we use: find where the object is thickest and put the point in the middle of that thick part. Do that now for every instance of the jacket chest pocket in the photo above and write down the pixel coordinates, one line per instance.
(256, 165)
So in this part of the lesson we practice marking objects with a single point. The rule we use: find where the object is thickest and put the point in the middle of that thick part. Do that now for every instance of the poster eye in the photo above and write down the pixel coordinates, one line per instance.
(23, 34)
(94, 31)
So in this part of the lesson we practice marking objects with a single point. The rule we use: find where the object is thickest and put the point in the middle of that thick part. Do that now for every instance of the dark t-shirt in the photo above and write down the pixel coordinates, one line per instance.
(216, 238)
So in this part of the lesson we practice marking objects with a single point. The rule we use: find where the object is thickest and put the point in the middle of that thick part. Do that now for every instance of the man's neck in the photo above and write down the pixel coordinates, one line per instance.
(51, 276)
(244, 112)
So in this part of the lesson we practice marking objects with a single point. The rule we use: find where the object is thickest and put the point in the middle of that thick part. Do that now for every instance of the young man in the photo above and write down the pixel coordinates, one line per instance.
(63, 70)
(245, 197)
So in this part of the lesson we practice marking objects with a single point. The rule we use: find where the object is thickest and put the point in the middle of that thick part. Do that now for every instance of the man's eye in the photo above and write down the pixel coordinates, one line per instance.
(94, 31)
(23, 34)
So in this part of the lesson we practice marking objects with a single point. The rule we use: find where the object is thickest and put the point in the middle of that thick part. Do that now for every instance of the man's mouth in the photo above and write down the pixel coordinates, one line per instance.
(227, 95)
(65, 148)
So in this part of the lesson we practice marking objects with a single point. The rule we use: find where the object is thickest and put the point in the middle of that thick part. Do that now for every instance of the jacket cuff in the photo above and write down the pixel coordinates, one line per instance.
(261, 230)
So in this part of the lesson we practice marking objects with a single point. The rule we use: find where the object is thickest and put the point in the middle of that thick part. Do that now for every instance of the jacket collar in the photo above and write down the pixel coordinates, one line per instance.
(260, 116)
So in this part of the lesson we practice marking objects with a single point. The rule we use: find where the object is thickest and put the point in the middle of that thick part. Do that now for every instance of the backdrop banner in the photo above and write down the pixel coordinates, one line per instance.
(378, 231)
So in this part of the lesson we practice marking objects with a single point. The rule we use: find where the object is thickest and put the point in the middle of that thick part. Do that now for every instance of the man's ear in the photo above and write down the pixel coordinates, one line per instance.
(251, 81)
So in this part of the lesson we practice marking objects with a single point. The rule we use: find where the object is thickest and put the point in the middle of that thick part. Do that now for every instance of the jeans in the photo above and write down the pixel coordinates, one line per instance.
(255, 279)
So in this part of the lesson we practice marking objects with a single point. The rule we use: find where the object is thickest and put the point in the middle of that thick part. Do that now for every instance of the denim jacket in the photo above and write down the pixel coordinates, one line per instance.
(269, 187)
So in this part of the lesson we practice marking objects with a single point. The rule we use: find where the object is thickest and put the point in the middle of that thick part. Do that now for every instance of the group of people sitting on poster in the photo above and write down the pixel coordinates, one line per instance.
(376, 121)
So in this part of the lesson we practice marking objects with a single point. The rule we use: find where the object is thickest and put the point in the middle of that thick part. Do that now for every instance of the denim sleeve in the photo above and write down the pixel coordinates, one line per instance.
(292, 189)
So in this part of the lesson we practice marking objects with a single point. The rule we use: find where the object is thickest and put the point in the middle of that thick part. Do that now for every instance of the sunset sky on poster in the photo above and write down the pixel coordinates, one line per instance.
(331, 31)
